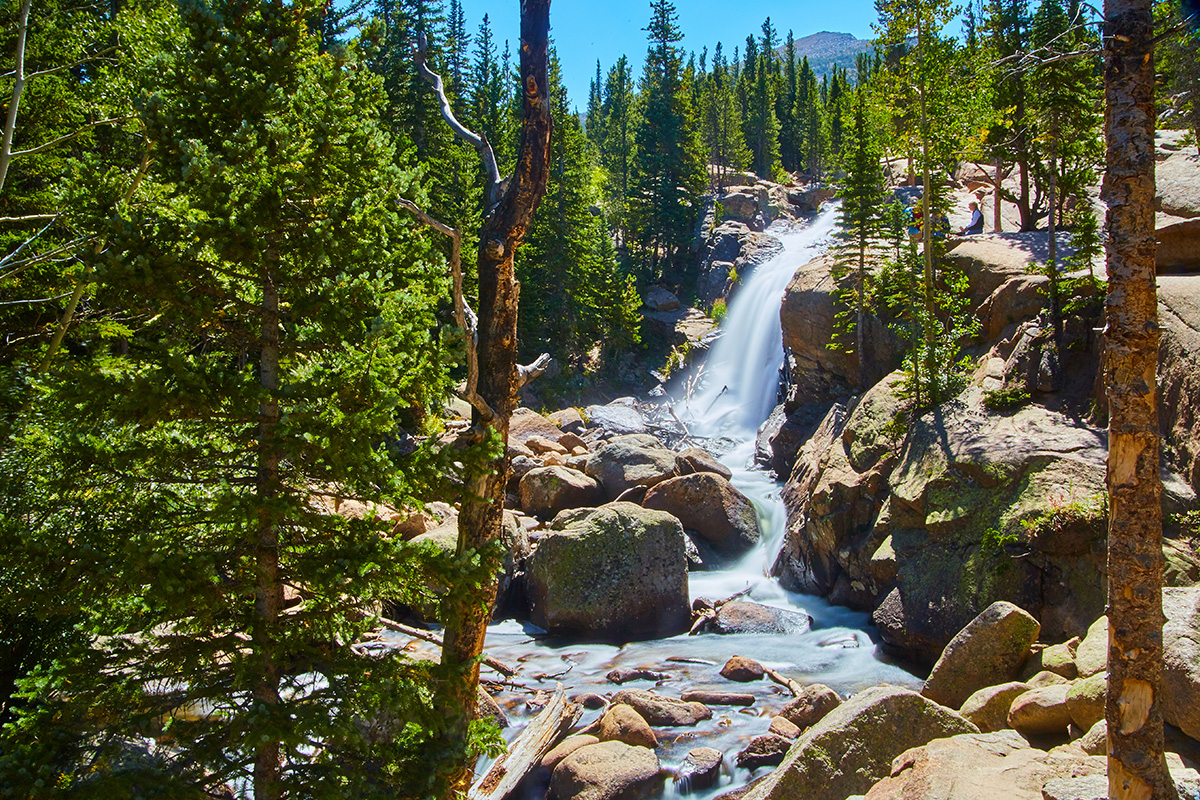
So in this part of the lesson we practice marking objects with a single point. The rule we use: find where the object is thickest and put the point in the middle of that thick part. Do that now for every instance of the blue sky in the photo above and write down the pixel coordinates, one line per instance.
(584, 30)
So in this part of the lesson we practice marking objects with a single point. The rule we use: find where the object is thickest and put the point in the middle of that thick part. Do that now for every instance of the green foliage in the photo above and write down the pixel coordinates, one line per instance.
(719, 311)
(1008, 398)
(1059, 515)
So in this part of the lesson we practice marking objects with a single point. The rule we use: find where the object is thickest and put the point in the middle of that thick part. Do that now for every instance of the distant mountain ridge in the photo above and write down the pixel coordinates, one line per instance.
(827, 49)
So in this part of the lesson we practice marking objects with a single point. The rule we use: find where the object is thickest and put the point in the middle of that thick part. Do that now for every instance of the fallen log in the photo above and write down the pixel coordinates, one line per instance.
(433, 638)
(527, 751)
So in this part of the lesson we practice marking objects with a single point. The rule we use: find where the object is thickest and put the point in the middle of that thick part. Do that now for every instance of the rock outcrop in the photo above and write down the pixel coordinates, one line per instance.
(616, 574)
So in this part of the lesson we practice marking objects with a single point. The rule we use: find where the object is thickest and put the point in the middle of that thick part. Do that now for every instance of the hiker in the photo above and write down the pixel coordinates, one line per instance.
(976, 223)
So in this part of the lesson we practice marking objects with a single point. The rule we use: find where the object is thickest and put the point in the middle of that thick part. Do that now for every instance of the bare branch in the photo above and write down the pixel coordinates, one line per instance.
(39, 300)
(527, 372)
(433, 638)
(10, 123)
(68, 137)
(480, 143)
(464, 317)
(79, 63)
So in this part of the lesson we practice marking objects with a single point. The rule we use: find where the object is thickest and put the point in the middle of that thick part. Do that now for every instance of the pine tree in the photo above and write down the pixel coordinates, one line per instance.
(618, 149)
(785, 108)
(860, 223)
(761, 127)
(721, 128)
(668, 171)
(276, 344)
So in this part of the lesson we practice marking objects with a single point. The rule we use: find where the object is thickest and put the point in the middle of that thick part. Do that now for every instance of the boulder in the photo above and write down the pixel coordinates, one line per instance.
(623, 463)
(782, 435)
(988, 651)
(700, 770)
(708, 504)
(1046, 678)
(1095, 741)
(517, 546)
(618, 573)
(659, 298)
(780, 726)
(854, 745)
(1041, 711)
(988, 707)
(767, 750)
(693, 459)
(980, 767)
(811, 705)
(1092, 655)
(742, 669)
(1095, 787)
(547, 490)
(742, 616)
(540, 445)
(569, 420)
(715, 697)
(659, 710)
(1176, 176)
(1085, 700)
(616, 418)
(1056, 658)
(1179, 373)
(607, 771)
(566, 747)
(1180, 687)
(620, 723)
(526, 422)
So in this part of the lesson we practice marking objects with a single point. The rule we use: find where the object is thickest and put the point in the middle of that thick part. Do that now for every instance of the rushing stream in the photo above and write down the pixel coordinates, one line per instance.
(737, 392)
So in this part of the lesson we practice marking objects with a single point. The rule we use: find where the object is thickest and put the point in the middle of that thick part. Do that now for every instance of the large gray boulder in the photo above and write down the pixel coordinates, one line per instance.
(1180, 689)
(709, 505)
(989, 651)
(606, 771)
(616, 574)
(658, 709)
(616, 418)
(628, 461)
(988, 707)
(742, 616)
(547, 490)
(853, 746)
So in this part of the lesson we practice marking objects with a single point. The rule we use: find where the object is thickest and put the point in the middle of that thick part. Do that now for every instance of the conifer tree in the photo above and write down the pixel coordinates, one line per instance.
(785, 108)
(276, 344)
(618, 148)
(668, 171)
(721, 128)
(860, 223)
(761, 127)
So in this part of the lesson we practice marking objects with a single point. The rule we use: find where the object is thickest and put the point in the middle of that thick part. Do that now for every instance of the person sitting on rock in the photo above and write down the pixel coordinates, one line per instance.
(976, 223)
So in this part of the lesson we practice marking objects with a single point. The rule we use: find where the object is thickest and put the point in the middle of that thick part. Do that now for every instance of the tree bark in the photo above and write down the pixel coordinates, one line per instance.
(1136, 766)
(481, 515)
(997, 224)
(1052, 250)
(10, 122)
(269, 589)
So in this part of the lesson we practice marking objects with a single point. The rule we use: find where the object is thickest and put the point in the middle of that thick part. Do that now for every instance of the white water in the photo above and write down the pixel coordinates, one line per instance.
(738, 393)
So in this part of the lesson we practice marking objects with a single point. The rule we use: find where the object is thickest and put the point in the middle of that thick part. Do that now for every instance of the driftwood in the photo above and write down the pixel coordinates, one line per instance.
(433, 638)
(701, 616)
(524, 754)
(784, 681)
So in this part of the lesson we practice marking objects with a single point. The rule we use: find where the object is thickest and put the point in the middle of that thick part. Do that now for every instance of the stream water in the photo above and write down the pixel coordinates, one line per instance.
(736, 393)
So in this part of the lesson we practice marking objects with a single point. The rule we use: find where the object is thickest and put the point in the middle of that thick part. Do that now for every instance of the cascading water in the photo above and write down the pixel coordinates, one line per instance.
(737, 392)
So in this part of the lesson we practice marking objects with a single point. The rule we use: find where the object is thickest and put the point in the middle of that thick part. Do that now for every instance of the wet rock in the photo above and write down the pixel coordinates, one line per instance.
(988, 707)
(700, 770)
(566, 747)
(489, 709)
(780, 726)
(742, 669)
(616, 574)
(659, 710)
(626, 462)
(709, 505)
(693, 459)
(854, 745)
(1085, 700)
(1041, 711)
(741, 616)
(810, 707)
(616, 419)
(589, 700)
(620, 723)
(717, 698)
(767, 750)
(621, 675)
(547, 490)
(988, 651)
(606, 771)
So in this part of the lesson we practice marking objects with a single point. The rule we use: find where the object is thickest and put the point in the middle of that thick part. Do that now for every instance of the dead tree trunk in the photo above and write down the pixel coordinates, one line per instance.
(509, 212)
(1136, 767)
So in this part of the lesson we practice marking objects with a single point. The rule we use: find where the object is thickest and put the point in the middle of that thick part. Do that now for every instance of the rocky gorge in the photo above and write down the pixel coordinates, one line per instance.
(967, 541)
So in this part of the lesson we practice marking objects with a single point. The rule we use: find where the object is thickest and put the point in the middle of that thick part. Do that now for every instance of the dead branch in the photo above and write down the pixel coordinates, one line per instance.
(433, 638)
(527, 372)
(784, 681)
(480, 143)
(464, 317)
(546, 730)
